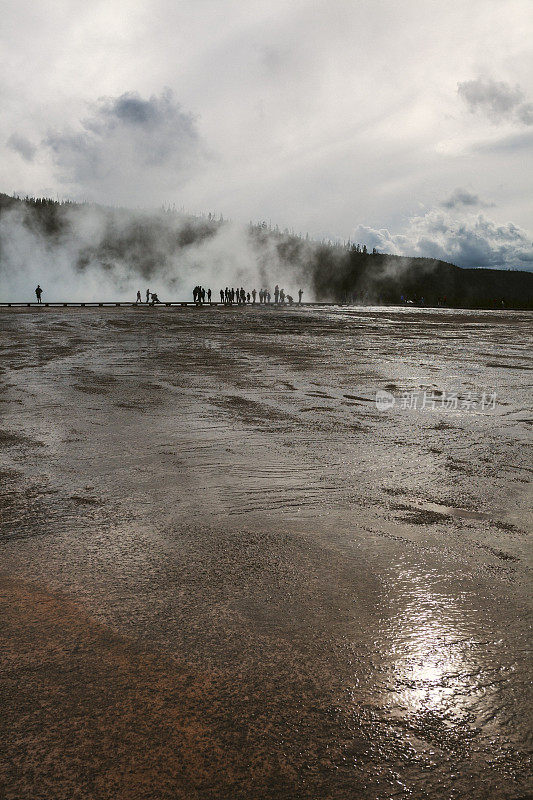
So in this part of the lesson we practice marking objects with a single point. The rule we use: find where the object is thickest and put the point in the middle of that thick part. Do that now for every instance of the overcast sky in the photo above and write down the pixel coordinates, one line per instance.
(404, 124)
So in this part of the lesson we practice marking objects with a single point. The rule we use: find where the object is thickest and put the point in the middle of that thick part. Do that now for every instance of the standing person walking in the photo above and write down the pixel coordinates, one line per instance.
(38, 292)
(138, 296)
(300, 293)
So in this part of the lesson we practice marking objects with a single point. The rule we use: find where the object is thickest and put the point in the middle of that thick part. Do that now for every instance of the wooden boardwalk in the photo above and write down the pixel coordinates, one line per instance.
(125, 304)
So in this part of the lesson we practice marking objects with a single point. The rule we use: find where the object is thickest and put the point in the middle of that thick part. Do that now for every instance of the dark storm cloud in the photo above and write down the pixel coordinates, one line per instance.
(128, 148)
(461, 197)
(131, 110)
(22, 146)
(496, 99)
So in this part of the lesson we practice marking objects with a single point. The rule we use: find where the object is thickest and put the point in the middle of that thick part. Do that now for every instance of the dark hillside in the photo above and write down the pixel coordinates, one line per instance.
(152, 241)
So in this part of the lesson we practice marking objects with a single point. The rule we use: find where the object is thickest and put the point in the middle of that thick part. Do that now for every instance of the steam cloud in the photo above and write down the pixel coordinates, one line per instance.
(107, 254)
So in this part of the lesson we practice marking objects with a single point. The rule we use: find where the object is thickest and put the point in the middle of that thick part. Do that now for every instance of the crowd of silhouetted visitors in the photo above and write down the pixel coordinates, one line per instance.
(235, 295)
(228, 296)
(232, 296)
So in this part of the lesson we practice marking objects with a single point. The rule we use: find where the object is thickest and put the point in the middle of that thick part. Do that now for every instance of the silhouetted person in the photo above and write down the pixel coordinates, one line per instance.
(209, 295)
(248, 296)
(148, 295)
(155, 298)
(300, 293)
(222, 295)
(139, 296)
(254, 293)
(38, 293)
(242, 296)
(268, 296)
(289, 299)
(276, 293)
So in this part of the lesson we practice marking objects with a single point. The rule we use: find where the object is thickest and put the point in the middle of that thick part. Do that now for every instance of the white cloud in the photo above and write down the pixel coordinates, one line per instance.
(468, 240)
(316, 112)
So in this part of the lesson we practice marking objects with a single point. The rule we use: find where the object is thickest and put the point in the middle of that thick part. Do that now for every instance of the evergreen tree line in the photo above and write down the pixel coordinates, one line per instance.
(339, 272)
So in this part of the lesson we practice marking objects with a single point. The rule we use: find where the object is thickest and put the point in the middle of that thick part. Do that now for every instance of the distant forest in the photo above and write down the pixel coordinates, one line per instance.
(337, 272)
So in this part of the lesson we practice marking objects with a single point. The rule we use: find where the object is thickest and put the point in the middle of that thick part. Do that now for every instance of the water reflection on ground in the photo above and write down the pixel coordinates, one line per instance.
(430, 643)
(334, 599)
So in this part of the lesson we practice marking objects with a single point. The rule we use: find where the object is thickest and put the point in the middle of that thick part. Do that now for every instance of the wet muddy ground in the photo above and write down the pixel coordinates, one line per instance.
(226, 573)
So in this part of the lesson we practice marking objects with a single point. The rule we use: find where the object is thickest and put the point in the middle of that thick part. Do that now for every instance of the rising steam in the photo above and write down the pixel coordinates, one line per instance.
(87, 252)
